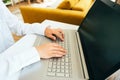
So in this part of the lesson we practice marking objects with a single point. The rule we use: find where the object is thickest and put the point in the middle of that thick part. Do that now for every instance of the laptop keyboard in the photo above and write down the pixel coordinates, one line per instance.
(61, 67)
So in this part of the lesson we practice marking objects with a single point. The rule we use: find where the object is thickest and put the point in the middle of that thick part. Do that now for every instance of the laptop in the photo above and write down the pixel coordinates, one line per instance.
(92, 51)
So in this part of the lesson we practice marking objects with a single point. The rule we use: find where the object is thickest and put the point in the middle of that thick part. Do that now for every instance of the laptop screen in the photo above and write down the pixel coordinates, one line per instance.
(100, 38)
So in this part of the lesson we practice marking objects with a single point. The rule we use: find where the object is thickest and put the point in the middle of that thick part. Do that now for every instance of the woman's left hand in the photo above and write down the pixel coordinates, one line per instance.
(54, 33)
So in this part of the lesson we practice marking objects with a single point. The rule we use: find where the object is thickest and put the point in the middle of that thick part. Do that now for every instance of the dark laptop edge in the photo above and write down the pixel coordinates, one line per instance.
(115, 67)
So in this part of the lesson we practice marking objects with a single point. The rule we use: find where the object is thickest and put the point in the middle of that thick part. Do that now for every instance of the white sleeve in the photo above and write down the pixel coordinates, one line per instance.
(19, 27)
(11, 63)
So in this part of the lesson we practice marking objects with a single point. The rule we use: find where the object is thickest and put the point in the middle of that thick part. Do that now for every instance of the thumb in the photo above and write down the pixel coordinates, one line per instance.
(52, 37)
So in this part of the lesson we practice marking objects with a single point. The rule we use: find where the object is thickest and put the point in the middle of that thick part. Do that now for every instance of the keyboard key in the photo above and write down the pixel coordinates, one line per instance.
(66, 71)
(67, 75)
(50, 64)
(58, 70)
(49, 70)
(53, 70)
(59, 74)
(62, 71)
(51, 74)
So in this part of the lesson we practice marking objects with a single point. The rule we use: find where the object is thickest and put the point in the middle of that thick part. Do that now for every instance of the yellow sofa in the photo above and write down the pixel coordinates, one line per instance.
(68, 11)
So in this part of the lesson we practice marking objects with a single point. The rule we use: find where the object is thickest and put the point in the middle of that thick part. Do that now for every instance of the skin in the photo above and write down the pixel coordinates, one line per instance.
(50, 50)
(39, 1)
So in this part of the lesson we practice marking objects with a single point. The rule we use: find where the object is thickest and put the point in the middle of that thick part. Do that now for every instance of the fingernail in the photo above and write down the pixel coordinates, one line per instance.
(54, 38)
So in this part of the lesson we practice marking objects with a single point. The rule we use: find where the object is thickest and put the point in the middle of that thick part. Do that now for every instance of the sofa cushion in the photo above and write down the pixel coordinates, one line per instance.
(73, 2)
(65, 4)
(82, 5)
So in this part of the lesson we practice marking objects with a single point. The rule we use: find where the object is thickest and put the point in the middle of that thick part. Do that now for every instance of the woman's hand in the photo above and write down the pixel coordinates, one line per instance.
(50, 50)
(54, 34)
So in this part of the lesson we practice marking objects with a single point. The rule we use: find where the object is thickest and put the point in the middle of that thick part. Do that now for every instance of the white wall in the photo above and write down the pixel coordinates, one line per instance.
(16, 1)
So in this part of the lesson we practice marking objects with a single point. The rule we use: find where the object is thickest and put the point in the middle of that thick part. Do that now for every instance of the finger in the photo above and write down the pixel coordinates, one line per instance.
(61, 31)
(52, 37)
(58, 50)
(59, 35)
(57, 54)
(57, 45)
(62, 36)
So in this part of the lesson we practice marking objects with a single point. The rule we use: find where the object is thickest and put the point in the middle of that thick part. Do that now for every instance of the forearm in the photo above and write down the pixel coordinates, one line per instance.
(14, 62)
(19, 27)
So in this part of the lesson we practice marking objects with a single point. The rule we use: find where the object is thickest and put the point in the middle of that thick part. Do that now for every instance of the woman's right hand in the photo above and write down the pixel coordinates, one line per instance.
(50, 50)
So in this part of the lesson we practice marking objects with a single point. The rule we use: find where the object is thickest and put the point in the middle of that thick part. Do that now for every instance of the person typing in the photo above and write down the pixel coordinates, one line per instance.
(12, 63)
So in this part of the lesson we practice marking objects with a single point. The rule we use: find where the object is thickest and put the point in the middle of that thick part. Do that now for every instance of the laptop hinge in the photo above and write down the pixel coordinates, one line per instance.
(85, 71)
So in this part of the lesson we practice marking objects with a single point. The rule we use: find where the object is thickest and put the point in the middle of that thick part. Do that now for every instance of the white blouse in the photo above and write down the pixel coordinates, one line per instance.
(12, 63)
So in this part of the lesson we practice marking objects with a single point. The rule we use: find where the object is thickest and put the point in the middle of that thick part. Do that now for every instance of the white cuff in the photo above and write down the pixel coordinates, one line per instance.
(23, 59)
(39, 28)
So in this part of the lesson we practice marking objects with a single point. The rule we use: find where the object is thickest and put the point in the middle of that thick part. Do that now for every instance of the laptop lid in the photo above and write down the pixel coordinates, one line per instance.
(100, 38)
